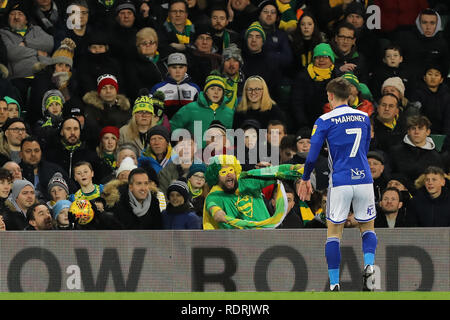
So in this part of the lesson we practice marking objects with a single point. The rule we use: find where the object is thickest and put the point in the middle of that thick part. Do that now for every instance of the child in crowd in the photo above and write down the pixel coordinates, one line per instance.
(57, 189)
(13, 107)
(83, 174)
(52, 110)
(61, 214)
(197, 186)
(179, 213)
(392, 66)
(178, 87)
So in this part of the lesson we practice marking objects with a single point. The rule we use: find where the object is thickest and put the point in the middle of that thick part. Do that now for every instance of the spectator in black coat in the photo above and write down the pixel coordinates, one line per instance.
(144, 68)
(430, 207)
(39, 171)
(425, 43)
(434, 97)
(244, 13)
(390, 210)
(136, 207)
(257, 62)
(222, 36)
(417, 151)
(308, 94)
(389, 123)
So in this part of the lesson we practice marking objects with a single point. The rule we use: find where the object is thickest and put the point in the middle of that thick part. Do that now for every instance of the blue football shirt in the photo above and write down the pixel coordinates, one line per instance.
(346, 132)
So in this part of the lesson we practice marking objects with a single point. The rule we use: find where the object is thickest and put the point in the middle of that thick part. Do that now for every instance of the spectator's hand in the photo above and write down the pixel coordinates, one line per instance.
(348, 67)
(144, 9)
(2, 224)
(22, 44)
(220, 216)
(42, 53)
(262, 164)
(230, 12)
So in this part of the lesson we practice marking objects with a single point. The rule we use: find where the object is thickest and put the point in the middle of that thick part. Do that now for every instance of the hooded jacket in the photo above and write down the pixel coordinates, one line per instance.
(411, 161)
(418, 49)
(103, 114)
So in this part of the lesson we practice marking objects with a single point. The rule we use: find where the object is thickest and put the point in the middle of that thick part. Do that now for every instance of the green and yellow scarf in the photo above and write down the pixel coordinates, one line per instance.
(185, 36)
(318, 74)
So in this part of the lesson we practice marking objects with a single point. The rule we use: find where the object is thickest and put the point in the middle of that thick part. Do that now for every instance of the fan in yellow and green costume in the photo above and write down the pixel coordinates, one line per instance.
(242, 201)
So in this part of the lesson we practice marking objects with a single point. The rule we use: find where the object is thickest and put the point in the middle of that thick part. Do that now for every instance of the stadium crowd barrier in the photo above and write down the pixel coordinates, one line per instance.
(407, 259)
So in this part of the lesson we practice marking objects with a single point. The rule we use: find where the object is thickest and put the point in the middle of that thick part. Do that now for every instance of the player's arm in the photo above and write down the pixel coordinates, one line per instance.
(318, 135)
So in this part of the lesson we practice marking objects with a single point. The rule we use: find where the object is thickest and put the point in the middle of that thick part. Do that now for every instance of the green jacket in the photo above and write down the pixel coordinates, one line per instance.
(200, 110)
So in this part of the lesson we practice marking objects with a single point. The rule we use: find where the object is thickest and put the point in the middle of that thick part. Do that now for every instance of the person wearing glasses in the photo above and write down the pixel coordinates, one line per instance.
(146, 67)
(177, 30)
(14, 131)
(257, 104)
(348, 57)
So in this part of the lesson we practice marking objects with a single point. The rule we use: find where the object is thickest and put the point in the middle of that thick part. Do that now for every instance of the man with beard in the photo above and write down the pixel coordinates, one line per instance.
(37, 170)
(236, 200)
(391, 213)
(68, 149)
(39, 218)
(222, 36)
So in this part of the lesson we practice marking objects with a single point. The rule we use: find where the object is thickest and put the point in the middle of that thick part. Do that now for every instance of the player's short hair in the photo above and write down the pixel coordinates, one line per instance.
(340, 87)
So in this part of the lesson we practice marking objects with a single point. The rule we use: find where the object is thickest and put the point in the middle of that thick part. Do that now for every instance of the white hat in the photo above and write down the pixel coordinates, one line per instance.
(126, 164)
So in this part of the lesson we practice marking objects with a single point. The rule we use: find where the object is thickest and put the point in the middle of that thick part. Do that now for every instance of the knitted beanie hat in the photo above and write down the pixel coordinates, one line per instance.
(127, 4)
(350, 77)
(110, 129)
(143, 103)
(324, 49)
(256, 26)
(59, 206)
(395, 82)
(17, 186)
(58, 180)
(158, 99)
(196, 167)
(126, 164)
(51, 96)
(159, 130)
(181, 187)
(234, 52)
(65, 52)
(214, 79)
(10, 100)
(105, 79)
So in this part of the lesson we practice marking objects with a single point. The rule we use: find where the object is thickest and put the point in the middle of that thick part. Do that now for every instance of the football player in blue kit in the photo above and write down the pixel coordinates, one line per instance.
(346, 132)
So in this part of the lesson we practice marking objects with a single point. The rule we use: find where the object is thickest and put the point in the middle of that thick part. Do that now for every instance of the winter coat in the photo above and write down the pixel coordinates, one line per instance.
(66, 159)
(275, 113)
(381, 221)
(14, 219)
(308, 98)
(423, 211)
(435, 106)
(123, 212)
(116, 115)
(91, 66)
(387, 137)
(46, 170)
(262, 64)
(173, 220)
(419, 50)
(383, 72)
(140, 72)
(200, 111)
(201, 64)
(21, 59)
(278, 48)
(412, 161)
(176, 94)
(355, 57)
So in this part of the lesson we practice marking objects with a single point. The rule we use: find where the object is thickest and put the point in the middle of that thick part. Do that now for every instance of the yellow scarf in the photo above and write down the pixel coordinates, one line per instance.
(183, 37)
(392, 124)
(318, 74)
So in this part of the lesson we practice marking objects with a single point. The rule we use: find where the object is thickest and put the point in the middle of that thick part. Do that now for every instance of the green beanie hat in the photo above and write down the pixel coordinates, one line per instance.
(323, 49)
(350, 77)
(256, 26)
(10, 100)
(214, 79)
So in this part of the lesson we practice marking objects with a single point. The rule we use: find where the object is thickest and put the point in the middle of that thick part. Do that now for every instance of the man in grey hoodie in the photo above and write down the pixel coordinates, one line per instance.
(417, 151)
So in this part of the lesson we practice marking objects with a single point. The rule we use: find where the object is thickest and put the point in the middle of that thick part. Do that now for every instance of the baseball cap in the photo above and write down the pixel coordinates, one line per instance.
(176, 58)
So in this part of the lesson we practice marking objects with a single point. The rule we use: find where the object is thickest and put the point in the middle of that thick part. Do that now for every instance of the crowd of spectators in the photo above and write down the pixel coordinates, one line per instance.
(93, 94)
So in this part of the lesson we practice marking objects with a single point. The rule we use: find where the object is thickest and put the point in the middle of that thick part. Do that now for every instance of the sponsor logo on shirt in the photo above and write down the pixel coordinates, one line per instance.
(357, 174)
